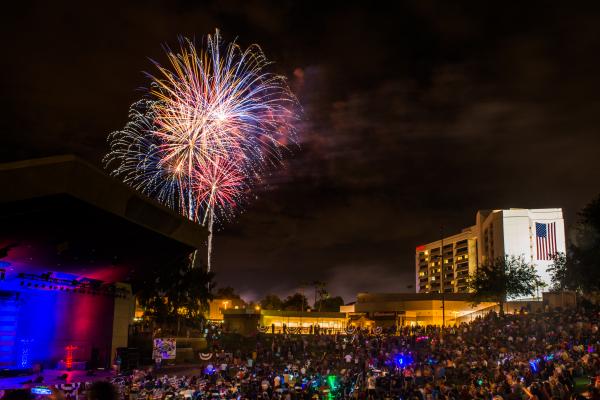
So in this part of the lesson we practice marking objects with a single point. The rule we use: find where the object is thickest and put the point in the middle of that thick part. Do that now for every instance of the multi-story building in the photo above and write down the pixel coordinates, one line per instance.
(458, 253)
(536, 235)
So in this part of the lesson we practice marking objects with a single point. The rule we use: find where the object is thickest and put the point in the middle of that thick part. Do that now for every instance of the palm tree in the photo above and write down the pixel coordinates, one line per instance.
(319, 288)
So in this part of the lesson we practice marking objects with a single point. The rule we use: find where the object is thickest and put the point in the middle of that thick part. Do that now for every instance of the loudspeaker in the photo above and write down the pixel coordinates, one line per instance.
(130, 358)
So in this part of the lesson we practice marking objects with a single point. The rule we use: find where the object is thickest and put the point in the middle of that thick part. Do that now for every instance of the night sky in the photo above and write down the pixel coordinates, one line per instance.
(414, 116)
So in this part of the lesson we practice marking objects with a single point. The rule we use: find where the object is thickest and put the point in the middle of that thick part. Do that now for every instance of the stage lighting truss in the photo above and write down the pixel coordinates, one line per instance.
(81, 286)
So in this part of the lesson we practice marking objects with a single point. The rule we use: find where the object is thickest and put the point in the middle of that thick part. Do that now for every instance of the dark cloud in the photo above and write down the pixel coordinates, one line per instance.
(415, 114)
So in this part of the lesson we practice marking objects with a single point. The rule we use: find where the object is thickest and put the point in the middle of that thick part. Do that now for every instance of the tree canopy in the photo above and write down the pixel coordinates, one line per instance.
(329, 304)
(584, 258)
(562, 274)
(295, 302)
(226, 292)
(176, 294)
(504, 278)
(271, 302)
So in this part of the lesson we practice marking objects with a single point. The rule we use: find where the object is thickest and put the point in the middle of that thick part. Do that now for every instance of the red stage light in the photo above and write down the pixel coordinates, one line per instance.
(69, 356)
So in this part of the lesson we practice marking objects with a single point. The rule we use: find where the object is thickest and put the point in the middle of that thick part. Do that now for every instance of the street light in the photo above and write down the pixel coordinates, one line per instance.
(443, 278)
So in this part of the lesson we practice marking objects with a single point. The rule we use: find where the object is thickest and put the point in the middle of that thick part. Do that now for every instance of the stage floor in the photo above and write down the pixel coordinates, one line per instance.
(51, 378)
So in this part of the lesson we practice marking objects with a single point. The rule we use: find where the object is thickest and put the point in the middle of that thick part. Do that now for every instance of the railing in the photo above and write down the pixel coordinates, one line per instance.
(304, 330)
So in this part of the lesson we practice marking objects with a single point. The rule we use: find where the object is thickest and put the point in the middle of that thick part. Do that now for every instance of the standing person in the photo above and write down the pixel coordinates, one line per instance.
(371, 385)
(348, 358)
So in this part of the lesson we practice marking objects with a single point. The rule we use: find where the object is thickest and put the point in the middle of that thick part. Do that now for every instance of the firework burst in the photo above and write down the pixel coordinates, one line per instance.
(213, 103)
(219, 185)
(137, 158)
(213, 121)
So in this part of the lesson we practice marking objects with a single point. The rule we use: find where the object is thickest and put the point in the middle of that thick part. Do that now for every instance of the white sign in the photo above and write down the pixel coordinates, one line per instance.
(164, 349)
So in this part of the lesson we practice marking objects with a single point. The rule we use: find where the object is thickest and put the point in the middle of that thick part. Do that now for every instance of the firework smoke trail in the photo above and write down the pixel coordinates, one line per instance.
(220, 184)
(214, 120)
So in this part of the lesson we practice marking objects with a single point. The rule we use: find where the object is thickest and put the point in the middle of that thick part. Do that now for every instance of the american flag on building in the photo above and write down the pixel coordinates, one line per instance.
(545, 239)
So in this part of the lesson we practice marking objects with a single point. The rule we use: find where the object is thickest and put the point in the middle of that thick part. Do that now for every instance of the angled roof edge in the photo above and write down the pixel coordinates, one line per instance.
(69, 174)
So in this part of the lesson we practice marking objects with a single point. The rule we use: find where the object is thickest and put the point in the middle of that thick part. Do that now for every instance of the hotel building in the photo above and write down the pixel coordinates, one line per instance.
(459, 259)
(534, 234)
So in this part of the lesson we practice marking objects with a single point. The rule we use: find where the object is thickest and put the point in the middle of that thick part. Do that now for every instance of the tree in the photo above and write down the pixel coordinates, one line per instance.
(271, 302)
(176, 294)
(323, 295)
(295, 302)
(562, 275)
(330, 304)
(226, 292)
(585, 250)
(504, 278)
(590, 215)
(319, 291)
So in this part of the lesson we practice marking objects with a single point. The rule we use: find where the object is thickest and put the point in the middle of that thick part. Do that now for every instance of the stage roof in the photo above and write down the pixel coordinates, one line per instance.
(63, 214)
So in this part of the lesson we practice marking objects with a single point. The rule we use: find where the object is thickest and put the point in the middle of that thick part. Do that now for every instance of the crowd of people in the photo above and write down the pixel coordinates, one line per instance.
(541, 356)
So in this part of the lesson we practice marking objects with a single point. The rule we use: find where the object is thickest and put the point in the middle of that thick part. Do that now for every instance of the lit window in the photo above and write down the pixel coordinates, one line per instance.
(433, 278)
(426, 252)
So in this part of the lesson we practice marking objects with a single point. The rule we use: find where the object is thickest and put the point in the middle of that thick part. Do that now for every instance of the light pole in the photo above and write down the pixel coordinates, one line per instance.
(442, 276)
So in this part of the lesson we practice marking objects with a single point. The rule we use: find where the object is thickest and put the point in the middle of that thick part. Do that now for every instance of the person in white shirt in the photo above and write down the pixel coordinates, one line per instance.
(371, 387)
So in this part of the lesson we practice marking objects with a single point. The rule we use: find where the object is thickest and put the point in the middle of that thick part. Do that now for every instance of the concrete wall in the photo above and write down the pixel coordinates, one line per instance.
(124, 310)
(563, 300)
(244, 324)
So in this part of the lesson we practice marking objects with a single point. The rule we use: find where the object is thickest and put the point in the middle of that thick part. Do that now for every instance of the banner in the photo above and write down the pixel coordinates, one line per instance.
(165, 349)
(263, 329)
(350, 329)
